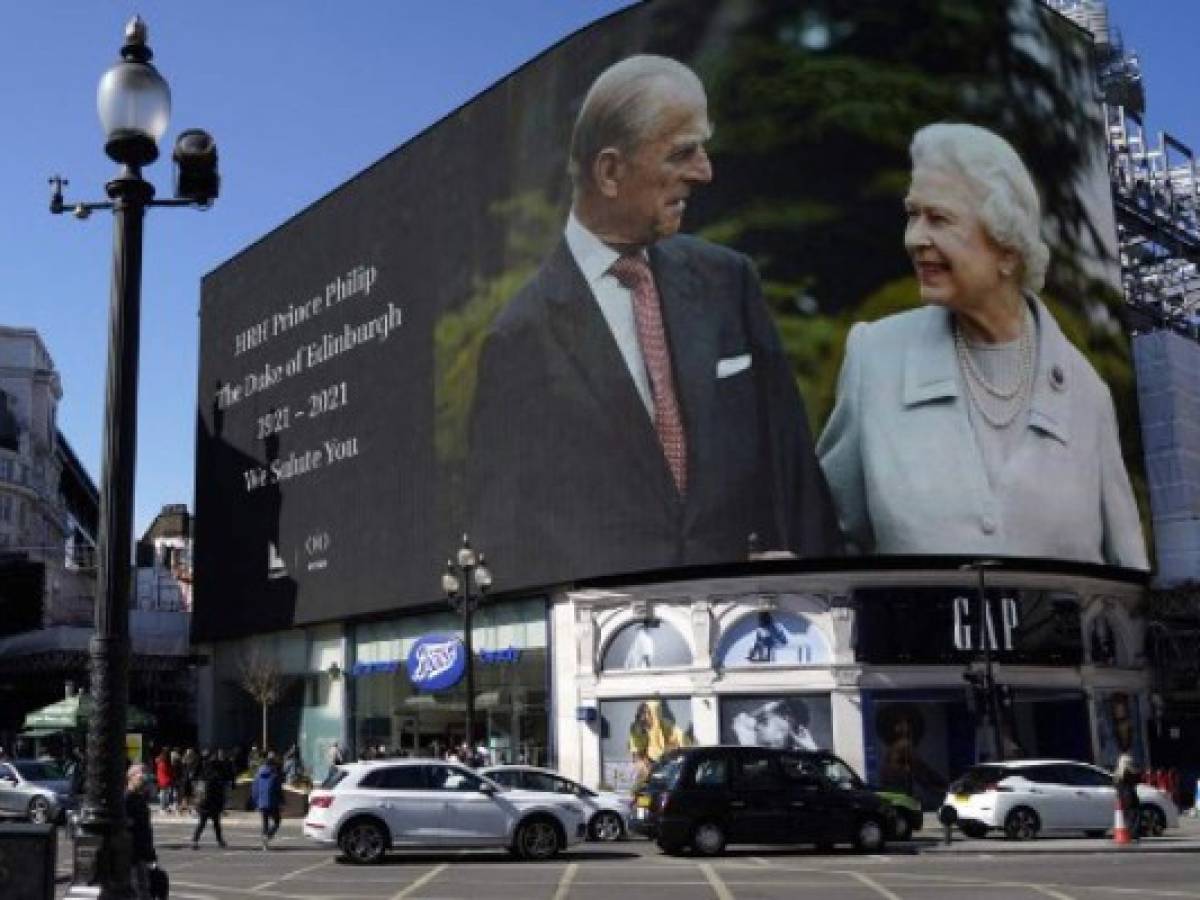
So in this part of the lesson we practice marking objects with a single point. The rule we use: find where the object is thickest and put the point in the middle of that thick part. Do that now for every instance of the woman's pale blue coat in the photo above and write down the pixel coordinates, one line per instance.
(907, 475)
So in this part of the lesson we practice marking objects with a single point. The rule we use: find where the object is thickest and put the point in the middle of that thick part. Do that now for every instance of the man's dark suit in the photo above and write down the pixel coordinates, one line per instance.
(566, 474)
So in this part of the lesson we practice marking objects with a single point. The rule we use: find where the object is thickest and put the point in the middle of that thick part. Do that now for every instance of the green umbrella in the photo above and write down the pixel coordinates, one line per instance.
(73, 712)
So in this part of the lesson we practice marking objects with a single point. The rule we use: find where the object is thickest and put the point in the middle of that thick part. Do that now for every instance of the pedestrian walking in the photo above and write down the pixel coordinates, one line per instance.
(210, 797)
(293, 765)
(164, 775)
(189, 774)
(336, 756)
(139, 786)
(267, 794)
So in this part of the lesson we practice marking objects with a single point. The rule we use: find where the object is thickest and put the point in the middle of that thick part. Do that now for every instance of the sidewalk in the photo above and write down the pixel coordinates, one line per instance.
(1184, 839)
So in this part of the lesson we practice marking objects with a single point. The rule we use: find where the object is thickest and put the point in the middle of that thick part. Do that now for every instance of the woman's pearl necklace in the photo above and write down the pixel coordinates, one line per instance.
(1005, 403)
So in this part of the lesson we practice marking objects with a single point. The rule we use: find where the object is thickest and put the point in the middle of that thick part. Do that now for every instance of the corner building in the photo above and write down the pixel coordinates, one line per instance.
(868, 661)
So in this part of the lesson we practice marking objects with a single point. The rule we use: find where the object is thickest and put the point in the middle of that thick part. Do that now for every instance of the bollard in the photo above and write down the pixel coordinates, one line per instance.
(948, 816)
(27, 858)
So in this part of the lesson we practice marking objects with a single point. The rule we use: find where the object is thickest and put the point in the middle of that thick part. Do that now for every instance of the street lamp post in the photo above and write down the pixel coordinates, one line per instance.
(134, 103)
(991, 706)
(465, 581)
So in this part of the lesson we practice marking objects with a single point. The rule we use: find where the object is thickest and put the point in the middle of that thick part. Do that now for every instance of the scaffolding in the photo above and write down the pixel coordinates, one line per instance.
(1156, 192)
(1155, 187)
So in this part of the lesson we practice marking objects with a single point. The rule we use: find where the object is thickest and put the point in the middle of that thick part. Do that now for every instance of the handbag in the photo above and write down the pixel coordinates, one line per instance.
(160, 884)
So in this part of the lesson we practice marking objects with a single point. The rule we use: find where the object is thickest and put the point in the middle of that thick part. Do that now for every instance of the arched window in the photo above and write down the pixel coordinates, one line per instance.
(772, 639)
(646, 645)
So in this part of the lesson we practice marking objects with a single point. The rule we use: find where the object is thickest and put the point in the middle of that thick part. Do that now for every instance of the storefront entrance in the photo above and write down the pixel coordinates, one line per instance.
(392, 716)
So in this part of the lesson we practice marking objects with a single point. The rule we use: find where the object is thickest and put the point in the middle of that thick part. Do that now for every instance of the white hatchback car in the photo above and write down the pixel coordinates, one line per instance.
(1027, 797)
(608, 812)
(366, 808)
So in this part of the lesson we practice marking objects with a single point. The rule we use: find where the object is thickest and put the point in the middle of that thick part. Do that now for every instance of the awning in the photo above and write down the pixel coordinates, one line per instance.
(73, 712)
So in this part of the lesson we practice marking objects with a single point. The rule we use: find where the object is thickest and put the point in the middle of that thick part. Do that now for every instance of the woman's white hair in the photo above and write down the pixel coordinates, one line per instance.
(1009, 209)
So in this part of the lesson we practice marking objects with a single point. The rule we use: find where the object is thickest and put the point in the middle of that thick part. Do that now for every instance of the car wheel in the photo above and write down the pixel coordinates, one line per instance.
(537, 839)
(973, 830)
(606, 826)
(1022, 824)
(869, 836)
(39, 811)
(1152, 822)
(363, 841)
(708, 839)
(903, 829)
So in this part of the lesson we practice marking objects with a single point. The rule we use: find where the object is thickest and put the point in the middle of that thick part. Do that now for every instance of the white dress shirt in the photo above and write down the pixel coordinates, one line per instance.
(594, 259)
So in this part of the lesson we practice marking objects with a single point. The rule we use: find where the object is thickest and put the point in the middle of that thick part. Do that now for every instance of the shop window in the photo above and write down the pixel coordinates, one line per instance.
(783, 722)
(772, 638)
(636, 734)
(646, 645)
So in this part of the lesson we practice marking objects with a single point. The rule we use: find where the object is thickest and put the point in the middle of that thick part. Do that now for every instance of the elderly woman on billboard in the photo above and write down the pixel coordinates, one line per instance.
(971, 425)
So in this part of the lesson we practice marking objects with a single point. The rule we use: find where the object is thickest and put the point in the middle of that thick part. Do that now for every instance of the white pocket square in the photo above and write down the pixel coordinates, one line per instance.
(732, 365)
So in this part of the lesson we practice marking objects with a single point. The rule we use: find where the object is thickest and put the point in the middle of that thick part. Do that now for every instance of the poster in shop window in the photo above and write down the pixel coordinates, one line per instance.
(634, 735)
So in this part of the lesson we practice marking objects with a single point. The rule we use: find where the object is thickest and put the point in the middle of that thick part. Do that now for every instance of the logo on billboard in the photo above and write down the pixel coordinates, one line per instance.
(437, 662)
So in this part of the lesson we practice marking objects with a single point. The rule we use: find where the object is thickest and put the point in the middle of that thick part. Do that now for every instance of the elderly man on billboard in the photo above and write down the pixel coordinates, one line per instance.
(634, 407)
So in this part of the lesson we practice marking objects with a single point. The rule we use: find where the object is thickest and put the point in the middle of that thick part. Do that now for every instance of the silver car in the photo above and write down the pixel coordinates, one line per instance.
(35, 789)
(608, 812)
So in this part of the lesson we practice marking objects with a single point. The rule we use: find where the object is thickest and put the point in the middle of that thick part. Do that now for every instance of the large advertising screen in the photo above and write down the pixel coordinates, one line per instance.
(702, 277)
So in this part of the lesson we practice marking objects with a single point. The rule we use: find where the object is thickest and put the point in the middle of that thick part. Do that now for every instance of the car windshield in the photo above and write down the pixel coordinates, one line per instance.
(665, 772)
(39, 771)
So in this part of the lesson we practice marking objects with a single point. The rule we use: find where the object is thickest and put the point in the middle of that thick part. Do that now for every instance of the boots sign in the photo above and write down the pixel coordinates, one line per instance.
(945, 625)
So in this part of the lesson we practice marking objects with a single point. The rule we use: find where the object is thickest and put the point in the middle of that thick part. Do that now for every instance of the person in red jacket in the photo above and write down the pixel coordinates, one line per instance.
(164, 776)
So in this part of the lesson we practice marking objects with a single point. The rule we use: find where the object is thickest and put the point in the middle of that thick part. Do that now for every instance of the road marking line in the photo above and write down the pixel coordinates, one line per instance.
(719, 887)
(1051, 892)
(421, 882)
(872, 884)
(290, 875)
(564, 883)
(225, 890)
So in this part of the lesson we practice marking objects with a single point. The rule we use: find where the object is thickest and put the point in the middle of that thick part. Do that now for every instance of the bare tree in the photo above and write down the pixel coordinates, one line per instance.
(263, 679)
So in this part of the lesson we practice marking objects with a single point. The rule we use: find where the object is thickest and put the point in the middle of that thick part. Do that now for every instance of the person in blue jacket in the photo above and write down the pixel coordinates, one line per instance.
(267, 794)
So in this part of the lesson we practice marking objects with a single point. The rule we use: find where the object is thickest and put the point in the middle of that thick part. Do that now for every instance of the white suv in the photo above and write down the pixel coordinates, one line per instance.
(368, 807)
(1027, 797)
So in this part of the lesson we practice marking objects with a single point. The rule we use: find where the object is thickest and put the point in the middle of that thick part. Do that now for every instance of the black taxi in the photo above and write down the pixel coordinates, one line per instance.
(708, 797)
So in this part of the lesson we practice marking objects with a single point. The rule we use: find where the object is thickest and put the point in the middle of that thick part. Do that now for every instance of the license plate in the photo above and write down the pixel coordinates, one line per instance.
(640, 812)
(643, 801)
(962, 798)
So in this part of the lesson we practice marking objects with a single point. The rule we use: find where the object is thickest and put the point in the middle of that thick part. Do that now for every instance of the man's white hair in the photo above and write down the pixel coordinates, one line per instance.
(1009, 207)
(624, 105)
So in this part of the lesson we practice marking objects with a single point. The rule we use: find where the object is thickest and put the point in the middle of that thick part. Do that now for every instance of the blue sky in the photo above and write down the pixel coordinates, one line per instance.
(300, 95)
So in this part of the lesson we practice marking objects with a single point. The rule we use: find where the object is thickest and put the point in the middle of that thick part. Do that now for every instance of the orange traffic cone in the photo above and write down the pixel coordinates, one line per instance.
(1120, 829)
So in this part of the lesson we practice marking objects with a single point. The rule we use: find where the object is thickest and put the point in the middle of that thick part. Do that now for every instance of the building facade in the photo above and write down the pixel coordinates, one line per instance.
(869, 663)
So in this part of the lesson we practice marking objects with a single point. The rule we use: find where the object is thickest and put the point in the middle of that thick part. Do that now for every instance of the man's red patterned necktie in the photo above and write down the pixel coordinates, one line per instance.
(634, 273)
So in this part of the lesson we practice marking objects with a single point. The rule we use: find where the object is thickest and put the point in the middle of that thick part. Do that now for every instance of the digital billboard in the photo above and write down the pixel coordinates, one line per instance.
(700, 278)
